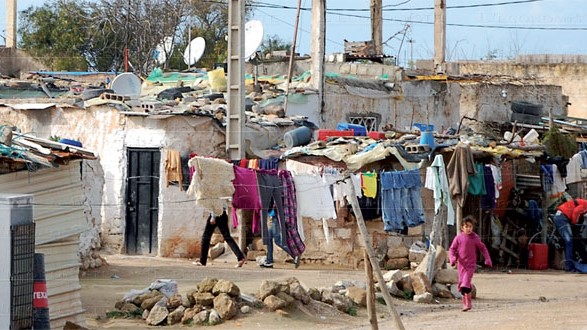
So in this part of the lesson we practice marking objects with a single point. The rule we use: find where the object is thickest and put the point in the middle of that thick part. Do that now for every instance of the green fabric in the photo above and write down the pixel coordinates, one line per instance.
(477, 181)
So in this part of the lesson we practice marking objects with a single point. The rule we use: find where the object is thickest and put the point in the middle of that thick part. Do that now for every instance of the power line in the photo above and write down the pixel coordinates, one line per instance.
(386, 8)
(509, 27)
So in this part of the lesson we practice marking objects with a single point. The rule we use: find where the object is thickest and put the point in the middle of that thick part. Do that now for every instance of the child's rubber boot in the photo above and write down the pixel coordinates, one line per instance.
(468, 302)
(465, 304)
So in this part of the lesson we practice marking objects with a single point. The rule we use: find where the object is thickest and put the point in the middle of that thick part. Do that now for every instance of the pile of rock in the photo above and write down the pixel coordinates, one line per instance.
(212, 302)
(278, 295)
(417, 285)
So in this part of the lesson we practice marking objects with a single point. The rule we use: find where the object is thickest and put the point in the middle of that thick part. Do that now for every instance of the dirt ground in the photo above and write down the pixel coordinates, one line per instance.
(506, 299)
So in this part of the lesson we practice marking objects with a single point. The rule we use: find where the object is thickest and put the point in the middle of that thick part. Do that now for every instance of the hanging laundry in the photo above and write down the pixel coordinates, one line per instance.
(437, 181)
(477, 181)
(488, 199)
(271, 194)
(211, 184)
(173, 171)
(246, 195)
(401, 200)
(294, 236)
(459, 167)
(369, 184)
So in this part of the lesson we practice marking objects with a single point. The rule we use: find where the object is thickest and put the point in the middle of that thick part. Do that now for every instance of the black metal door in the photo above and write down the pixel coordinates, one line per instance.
(142, 198)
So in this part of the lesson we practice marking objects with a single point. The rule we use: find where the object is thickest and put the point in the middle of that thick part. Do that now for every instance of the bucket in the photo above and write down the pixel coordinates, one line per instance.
(426, 134)
(40, 300)
(297, 137)
(537, 256)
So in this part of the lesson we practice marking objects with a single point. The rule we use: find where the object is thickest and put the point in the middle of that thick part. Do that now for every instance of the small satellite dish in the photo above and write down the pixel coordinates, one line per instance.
(253, 37)
(194, 51)
(162, 49)
(127, 84)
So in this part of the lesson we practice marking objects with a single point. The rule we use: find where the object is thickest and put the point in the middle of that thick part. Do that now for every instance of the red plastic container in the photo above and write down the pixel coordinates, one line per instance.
(324, 134)
(376, 135)
(537, 256)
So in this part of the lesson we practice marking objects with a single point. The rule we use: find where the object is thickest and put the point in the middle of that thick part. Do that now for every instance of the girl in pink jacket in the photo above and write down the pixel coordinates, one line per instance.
(463, 251)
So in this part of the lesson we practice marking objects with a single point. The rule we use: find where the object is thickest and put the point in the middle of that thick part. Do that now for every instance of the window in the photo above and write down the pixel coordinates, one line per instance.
(370, 122)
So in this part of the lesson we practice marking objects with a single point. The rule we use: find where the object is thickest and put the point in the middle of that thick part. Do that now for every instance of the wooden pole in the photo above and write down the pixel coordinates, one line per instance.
(292, 54)
(372, 259)
(371, 307)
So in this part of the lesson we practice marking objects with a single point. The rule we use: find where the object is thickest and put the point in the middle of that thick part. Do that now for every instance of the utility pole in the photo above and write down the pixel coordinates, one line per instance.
(439, 36)
(376, 25)
(11, 24)
(318, 45)
(236, 79)
(411, 41)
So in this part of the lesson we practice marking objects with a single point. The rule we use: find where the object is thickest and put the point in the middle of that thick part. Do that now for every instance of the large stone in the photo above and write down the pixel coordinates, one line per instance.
(188, 314)
(150, 302)
(216, 251)
(398, 252)
(441, 290)
(297, 291)
(405, 284)
(392, 275)
(138, 300)
(424, 298)
(396, 263)
(447, 276)
(158, 313)
(176, 316)
(454, 289)
(342, 303)
(224, 286)
(417, 252)
(207, 284)
(216, 238)
(204, 298)
(273, 302)
(190, 297)
(394, 290)
(174, 302)
(315, 294)
(420, 283)
(129, 308)
(268, 288)
(357, 295)
(225, 306)
(201, 317)
(285, 297)
(214, 318)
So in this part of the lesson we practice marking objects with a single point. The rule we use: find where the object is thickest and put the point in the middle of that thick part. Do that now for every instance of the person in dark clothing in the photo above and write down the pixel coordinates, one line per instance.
(222, 223)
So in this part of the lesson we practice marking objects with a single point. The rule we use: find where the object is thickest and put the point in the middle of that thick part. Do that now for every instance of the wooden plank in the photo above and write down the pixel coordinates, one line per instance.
(372, 258)
(371, 307)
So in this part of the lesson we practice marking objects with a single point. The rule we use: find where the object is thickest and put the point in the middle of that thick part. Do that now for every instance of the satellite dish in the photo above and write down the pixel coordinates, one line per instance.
(194, 51)
(127, 84)
(162, 49)
(253, 37)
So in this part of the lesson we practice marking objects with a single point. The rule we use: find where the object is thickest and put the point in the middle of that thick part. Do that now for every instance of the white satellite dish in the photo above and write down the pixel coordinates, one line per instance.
(127, 84)
(162, 49)
(253, 37)
(194, 51)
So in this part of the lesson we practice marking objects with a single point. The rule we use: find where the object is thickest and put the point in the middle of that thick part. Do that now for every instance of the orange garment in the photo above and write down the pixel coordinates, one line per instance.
(173, 168)
(573, 209)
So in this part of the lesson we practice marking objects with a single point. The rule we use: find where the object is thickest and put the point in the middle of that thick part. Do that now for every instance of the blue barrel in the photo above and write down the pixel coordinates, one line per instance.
(297, 137)
(40, 300)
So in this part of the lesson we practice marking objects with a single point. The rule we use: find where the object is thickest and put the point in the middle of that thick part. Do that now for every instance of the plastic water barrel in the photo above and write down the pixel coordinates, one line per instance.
(537, 256)
(40, 300)
(297, 137)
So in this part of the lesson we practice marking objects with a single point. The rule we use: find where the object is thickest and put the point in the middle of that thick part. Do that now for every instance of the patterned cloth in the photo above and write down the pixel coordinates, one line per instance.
(292, 239)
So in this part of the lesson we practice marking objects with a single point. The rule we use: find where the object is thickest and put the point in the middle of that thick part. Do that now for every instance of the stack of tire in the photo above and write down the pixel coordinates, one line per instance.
(526, 112)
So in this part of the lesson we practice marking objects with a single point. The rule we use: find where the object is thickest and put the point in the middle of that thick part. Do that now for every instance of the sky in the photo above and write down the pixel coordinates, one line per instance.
(475, 28)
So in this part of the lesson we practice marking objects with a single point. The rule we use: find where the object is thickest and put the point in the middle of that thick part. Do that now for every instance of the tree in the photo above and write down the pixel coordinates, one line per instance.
(273, 43)
(67, 37)
(53, 35)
